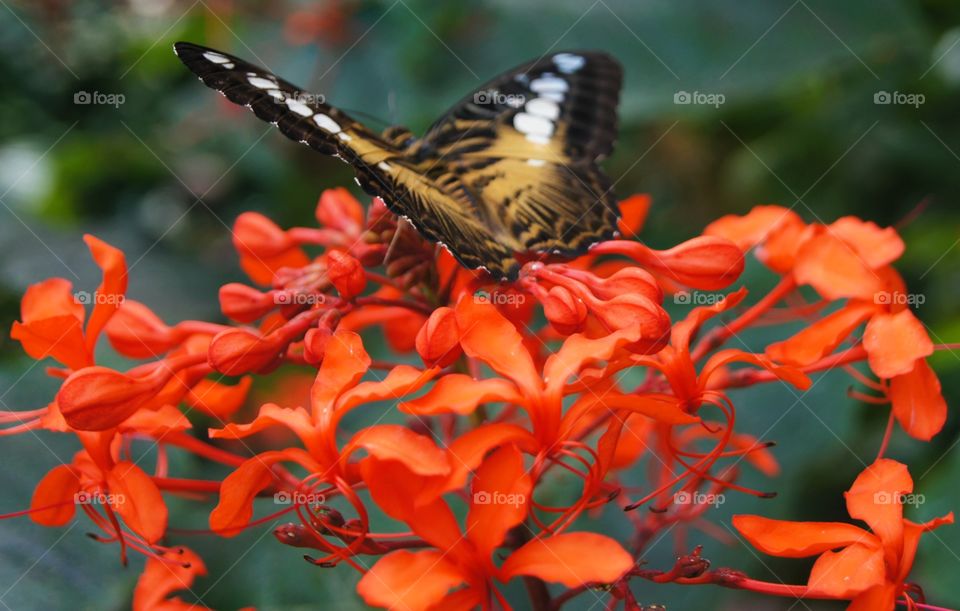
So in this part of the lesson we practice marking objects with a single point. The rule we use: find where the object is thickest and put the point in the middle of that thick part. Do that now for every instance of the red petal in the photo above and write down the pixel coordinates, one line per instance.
(110, 294)
(394, 442)
(752, 228)
(501, 491)
(240, 488)
(572, 559)
(848, 572)
(877, 246)
(344, 364)
(576, 352)
(160, 578)
(51, 298)
(58, 487)
(296, 419)
(633, 213)
(725, 357)
(798, 539)
(879, 598)
(138, 501)
(894, 343)
(59, 337)
(216, 399)
(685, 329)
(457, 393)
(468, 450)
(409, 580)
(836, 269)
(911, 539)
(875, 497)
(488, 336)
(918, 402)
(822, 337)
(402, 380)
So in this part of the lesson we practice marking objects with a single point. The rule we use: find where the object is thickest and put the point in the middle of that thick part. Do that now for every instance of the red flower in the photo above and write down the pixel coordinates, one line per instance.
(53, 316)
(165, 574)
(338, 390)
(459, 572)
(871, 567)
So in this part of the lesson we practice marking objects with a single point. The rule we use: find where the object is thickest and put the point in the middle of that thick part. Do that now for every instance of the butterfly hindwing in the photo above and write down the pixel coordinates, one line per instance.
(530, 140)
(509, 169)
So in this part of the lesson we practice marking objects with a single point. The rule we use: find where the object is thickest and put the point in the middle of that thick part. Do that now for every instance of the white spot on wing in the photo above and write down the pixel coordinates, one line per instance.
(326, 123)
(543, 108)
(383, 165)
(215, 57)
(535, 128)
(261, 83)
(536, 162)
(568, 63)
(548, 82)
(299, 107)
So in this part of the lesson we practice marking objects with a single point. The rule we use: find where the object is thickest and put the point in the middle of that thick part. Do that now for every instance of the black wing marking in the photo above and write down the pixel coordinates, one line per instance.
(571, 94)
(380, 165)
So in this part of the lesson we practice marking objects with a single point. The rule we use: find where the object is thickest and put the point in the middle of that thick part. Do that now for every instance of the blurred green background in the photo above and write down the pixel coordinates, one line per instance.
(163, 174)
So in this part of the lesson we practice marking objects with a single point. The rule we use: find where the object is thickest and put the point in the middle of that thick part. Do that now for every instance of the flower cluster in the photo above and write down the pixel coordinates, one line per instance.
(489, 392)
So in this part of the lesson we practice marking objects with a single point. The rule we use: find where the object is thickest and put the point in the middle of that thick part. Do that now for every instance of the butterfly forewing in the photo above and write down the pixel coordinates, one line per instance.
(511, 168)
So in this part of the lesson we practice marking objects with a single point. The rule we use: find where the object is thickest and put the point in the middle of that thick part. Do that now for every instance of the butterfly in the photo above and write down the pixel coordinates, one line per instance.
(511, 170)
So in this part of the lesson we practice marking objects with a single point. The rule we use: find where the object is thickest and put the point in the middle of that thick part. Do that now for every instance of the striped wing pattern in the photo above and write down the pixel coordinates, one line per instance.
(510, 170)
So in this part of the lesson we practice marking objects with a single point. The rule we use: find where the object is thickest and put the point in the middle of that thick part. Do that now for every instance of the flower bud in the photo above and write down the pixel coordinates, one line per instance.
(566, 312)
(438, 341)
(244, 303)
(629, 280)
(704, 262)
(339, 210)
(346, 274)
(626, 311)
(99, 398)
(256, 235)
(315, 344)
(238, 351)
(135, 331)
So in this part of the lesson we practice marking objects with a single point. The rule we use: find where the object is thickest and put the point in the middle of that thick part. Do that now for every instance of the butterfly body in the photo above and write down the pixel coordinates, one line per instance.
(510, 169)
